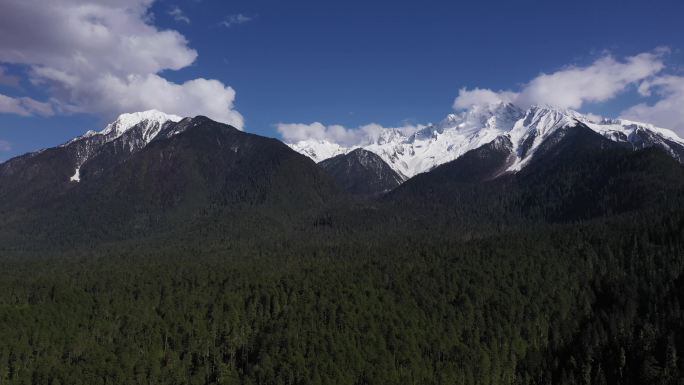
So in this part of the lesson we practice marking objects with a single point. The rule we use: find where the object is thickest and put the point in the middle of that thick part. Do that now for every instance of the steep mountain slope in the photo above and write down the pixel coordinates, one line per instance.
(196, 172)
(220, 165)
(573, 173)
(35, 177)
(130, 133)
(459, 133)
(479, 165)
(362, 173)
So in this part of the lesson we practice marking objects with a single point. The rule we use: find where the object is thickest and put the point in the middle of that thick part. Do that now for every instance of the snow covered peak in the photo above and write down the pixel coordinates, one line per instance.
(134, 131)
(151, 118)
(632, 125)
(461, 132)
(319, 150)
(548, 108)
(541, 121)
(537, 124)
(492, 116)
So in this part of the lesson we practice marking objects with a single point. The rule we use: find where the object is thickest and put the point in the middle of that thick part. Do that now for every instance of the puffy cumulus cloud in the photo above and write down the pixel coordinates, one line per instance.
(296, 132)
(668, 110)
(144, 92)
(104, 58)
(79, 36)
(572, 86)
(602, 80)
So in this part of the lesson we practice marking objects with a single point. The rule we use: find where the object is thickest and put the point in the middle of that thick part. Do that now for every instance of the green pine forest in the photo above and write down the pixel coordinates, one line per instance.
(590, 303)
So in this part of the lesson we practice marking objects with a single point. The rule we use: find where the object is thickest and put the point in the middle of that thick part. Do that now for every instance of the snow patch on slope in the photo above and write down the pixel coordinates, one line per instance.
(77, 176)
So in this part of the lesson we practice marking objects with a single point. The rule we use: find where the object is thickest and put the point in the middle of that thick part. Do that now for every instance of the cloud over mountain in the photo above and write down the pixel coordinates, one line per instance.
(573, 86)
(295, 132)
(104, 58)
(668, 110)
(24, 106)
(570, 87)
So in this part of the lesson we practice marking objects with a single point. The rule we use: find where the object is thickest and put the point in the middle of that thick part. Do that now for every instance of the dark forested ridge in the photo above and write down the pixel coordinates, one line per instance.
(187, 181)
(361, 173)
(218, 257)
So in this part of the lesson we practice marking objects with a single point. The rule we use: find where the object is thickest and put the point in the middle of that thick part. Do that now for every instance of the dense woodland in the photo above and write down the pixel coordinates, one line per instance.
(575, 276)
(596, 303)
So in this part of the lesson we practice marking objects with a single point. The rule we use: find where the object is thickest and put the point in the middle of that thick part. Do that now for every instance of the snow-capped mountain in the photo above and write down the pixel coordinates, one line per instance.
(146, 163)
(144, 166)
(319, 150)
(459, 133)
(151, 121)
(133, 131)
(521, 132)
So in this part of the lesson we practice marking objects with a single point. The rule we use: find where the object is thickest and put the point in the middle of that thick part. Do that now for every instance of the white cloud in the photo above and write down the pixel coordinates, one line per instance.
(105, 58)
(573, 86)
(5, 146)
(143, 92)
(178, 15)
(478, 96)
(593, 117)
(668, 110)
(295, 132)
(601, 81)
(236, 19)
(24, 106)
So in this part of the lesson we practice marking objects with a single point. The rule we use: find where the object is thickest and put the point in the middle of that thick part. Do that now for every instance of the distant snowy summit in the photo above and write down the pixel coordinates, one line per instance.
(459, 133)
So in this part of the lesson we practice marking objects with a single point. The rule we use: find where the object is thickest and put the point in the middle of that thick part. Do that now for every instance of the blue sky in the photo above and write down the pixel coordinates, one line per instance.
(349, 63)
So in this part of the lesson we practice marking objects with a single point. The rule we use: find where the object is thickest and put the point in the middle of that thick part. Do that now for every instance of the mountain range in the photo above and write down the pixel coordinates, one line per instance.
(517, 132)
(150, 173)
(412, 153)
